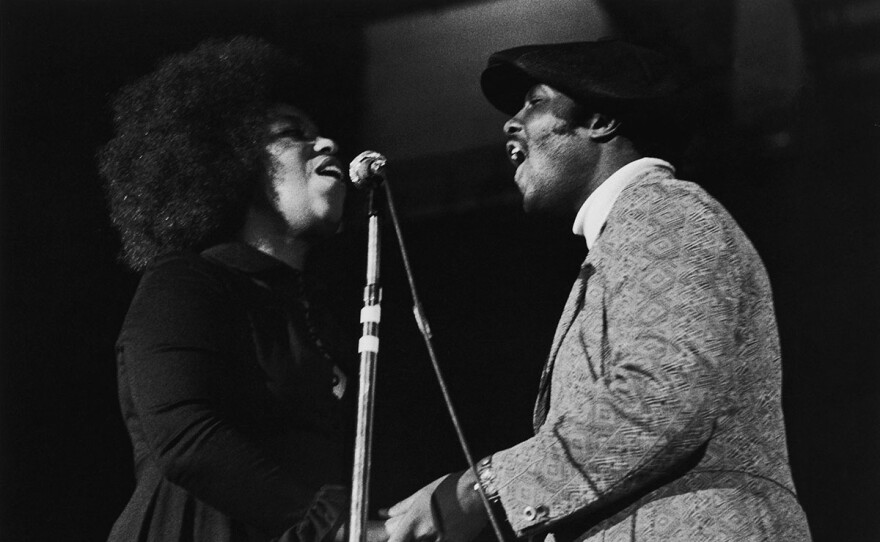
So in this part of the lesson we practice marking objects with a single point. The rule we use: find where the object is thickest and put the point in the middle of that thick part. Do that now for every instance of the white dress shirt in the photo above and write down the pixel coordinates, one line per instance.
(594, 212)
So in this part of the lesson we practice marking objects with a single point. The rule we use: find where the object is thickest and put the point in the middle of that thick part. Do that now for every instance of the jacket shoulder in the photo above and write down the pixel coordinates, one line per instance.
(670, 199)
(182, 271)
(180, 288)
(666, 208)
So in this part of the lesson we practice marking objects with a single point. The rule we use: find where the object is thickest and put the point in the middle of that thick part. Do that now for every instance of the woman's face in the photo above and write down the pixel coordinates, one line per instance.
(306, 187)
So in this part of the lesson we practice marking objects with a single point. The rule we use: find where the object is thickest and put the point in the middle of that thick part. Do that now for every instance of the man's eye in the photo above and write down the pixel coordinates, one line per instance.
(534, 101)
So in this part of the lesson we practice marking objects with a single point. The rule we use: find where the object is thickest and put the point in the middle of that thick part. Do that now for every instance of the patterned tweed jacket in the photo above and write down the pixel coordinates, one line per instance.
(659, 415)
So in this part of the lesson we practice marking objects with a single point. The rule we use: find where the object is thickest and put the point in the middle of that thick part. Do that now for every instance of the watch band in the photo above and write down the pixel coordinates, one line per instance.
(487, 479)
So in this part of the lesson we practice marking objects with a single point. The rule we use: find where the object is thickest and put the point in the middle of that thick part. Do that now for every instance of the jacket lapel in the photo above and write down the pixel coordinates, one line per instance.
(572, 306)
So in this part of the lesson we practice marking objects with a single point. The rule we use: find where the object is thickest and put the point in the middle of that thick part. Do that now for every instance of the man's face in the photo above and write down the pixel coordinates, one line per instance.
(553, 155)
(306, 181)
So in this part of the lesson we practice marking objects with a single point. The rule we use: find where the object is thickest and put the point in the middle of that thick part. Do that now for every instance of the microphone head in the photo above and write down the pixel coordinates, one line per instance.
(366, 167)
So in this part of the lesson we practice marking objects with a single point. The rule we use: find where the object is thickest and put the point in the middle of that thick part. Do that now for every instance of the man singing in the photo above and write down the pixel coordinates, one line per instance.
(658, 415)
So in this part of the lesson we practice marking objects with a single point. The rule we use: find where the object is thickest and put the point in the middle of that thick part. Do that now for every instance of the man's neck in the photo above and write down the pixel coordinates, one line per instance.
(609, 162)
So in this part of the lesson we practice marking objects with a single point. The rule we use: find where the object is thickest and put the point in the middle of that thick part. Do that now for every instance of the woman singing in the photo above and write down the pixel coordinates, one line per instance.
(219, 185)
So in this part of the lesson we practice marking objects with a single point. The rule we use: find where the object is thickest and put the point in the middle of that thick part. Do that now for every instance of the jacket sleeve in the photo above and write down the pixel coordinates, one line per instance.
(639, 380)
(176, 351)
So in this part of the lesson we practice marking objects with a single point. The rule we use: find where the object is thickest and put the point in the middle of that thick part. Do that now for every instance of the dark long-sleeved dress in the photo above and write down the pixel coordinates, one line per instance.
(232, 403)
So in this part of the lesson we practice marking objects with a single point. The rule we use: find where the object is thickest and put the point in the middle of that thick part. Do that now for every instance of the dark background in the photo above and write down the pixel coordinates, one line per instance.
(493, 281)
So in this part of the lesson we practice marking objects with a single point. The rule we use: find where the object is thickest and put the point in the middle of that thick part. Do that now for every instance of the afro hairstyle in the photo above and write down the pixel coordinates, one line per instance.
(188, 149)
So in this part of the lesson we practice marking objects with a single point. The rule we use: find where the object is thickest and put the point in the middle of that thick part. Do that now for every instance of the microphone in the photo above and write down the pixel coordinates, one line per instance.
(367, 167)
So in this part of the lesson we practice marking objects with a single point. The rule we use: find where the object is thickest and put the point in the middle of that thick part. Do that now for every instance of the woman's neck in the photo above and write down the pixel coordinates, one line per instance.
(265, 236)
(293, 252)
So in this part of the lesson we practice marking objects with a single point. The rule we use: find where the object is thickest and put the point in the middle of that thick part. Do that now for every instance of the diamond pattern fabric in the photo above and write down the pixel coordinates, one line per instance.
(659, 412)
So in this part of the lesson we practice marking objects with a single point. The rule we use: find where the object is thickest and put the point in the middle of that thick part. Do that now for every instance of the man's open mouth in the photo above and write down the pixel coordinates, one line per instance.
(516, 153)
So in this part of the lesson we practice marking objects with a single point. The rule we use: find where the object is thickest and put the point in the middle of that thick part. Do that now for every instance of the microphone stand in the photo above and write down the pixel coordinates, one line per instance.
(368, 348)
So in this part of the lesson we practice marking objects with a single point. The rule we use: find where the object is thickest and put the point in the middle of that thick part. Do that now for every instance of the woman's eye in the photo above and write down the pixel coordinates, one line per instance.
(294, 133)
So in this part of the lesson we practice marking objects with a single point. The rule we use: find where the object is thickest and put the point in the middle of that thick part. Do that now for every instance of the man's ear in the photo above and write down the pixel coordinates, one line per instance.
(603, 127)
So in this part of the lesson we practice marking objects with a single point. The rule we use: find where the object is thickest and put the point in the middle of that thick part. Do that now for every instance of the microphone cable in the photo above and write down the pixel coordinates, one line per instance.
(425, 329)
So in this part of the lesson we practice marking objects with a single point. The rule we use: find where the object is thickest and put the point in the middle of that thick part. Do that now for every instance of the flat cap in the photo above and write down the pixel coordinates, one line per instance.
(610, 72)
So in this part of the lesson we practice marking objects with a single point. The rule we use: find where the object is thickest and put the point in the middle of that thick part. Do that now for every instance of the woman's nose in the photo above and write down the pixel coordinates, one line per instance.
(325, 145)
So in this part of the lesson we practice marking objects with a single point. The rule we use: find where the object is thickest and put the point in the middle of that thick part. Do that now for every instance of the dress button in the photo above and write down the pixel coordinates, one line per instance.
(529, 513)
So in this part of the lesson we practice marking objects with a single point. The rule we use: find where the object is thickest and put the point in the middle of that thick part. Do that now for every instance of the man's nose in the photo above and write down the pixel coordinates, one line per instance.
(325, 145)
(513, 126)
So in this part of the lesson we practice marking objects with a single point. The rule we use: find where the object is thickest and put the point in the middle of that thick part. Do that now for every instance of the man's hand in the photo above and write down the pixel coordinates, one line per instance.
(376, 531)
(412, 519)
(447, 508)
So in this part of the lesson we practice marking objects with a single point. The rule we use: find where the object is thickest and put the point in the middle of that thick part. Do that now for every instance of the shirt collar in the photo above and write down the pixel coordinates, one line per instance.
(594, 212)
(245, 258)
